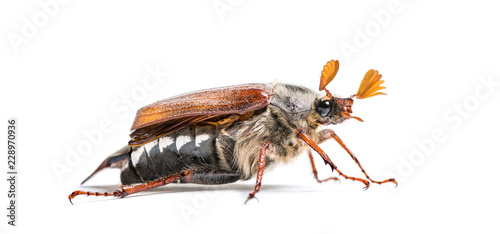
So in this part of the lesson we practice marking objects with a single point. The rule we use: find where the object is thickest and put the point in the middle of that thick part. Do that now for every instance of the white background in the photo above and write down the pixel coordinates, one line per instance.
(81, 58)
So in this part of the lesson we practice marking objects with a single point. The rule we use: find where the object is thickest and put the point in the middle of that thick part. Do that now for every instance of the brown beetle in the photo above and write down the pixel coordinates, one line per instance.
(223, 135)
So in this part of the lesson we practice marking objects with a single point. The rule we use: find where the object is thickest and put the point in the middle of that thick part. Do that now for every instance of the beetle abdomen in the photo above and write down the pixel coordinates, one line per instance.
(191, 147)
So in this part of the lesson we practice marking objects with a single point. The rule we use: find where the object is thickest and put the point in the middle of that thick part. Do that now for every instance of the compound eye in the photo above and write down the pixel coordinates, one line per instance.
(323, 107)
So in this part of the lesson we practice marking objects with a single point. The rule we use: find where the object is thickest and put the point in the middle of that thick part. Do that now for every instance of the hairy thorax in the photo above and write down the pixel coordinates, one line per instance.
(270, 126)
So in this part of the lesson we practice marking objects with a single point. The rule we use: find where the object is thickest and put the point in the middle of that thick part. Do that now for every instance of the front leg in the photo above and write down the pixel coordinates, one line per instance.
(303, 136)
(329, 134)
(323, 136)
(315, 172)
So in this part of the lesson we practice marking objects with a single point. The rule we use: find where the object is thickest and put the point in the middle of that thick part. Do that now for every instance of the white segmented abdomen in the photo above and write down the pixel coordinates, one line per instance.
(164, 142)
(201, 138)
(182, 140)
(135, 155)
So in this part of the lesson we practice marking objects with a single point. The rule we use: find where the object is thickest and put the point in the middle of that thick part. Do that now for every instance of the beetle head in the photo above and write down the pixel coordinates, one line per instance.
(335, 110)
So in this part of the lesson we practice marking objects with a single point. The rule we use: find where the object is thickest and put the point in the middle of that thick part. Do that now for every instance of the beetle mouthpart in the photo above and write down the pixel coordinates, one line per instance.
(347, 109)
(349, 116)
(358, 119)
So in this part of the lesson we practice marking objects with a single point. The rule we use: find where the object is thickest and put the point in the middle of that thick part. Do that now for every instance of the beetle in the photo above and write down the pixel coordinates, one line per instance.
(227, 134)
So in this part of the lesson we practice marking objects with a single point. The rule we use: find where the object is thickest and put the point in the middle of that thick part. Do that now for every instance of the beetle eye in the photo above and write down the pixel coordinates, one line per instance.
(323, 107)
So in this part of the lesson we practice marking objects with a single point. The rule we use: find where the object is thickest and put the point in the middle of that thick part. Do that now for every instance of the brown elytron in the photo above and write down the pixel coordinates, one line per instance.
(223, 135)
(165, 116)
(224, 100)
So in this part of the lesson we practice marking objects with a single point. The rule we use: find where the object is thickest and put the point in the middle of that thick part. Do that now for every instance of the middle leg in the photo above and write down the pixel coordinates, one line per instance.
(260, 170)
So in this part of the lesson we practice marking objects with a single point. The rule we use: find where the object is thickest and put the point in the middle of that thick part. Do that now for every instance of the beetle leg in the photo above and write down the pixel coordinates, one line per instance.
(246, 115)
(226, 122)
(260, 171)
(321, 140)
(316, 172)
(327, 160)
(185, 176)
(328, 134)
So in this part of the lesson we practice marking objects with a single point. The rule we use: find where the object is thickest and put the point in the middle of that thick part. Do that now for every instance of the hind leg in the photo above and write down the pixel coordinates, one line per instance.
(186, 176)
(212, 177)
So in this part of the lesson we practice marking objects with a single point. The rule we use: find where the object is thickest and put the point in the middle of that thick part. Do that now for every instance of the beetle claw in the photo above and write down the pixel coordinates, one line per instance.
(250, 197)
